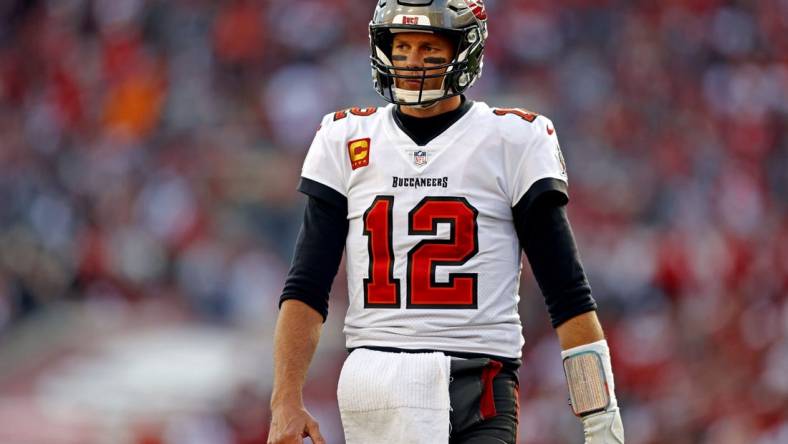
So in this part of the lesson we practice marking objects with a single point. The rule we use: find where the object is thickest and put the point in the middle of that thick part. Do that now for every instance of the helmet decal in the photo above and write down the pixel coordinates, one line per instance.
(412, 20)
(477, 8)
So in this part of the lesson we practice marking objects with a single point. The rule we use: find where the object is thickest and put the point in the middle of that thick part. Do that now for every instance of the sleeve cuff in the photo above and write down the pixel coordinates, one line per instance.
(571, 313)
(322, 192)
(320, 307)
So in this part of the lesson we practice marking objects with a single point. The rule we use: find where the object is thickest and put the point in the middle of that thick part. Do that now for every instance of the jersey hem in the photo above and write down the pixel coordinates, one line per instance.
(558, 183)
(316, 189)
(424, 346)
(541, 186)
(511, 363)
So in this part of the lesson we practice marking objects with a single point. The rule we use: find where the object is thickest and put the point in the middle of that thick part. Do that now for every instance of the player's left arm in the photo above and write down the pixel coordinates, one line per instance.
(546, 237)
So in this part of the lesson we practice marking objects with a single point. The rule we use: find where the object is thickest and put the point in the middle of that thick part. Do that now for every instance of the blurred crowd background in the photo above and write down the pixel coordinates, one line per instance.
(150, 150)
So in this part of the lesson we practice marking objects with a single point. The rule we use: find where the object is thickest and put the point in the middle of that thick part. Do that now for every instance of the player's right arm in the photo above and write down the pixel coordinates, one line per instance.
(304, 300)
(303, 309)
(295, 340)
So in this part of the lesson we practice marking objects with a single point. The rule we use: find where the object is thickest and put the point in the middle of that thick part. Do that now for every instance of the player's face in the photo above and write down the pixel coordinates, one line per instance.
(420, 50)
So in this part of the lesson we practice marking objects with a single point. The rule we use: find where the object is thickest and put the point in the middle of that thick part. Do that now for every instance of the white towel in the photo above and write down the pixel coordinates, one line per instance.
(395, 398)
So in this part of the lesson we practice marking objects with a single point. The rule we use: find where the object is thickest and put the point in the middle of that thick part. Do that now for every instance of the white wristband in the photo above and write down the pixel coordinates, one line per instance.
(589, 376)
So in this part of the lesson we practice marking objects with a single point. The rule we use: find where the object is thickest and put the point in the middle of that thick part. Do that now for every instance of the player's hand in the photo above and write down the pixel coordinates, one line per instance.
(604, 428)
(290, 424)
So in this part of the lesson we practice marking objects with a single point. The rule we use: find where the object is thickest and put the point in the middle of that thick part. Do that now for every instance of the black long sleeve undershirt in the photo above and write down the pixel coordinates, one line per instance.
(546, 238)
(540, 221)
(319, 247)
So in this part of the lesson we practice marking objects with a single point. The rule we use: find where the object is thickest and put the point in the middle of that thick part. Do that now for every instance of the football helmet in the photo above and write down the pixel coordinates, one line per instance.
(463, 21)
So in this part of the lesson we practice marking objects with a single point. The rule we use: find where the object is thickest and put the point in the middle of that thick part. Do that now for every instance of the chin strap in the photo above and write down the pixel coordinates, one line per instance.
(410, 96)
(589, 375)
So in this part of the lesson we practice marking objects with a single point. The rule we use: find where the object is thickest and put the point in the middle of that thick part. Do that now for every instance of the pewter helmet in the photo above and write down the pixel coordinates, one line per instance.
(463, 21)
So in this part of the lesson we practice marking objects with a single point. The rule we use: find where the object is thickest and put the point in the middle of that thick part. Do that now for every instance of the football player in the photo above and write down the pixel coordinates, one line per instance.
(434, 198)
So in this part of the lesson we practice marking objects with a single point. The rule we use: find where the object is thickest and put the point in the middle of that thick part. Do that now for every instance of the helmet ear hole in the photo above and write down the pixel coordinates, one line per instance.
(472, 36)
(463, 80)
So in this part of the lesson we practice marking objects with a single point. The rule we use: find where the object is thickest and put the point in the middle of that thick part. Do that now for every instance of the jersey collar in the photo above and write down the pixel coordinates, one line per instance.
(422, 130)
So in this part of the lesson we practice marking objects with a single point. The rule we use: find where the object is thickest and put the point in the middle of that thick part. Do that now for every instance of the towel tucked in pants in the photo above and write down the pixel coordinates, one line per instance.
(394, 398)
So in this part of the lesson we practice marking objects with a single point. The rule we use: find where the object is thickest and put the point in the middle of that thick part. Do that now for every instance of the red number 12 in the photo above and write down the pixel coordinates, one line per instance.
(381, 290)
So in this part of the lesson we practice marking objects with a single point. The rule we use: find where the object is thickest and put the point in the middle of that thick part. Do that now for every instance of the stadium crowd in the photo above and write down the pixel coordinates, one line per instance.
(150, 150)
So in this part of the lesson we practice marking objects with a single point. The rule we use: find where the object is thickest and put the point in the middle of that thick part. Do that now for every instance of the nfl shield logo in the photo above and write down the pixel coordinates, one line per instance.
(420, 157)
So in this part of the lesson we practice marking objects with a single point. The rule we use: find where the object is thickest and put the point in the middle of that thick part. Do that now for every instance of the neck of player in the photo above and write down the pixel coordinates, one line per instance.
(440, 107)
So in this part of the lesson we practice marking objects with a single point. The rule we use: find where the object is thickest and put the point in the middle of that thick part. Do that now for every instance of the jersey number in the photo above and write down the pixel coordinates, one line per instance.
(526, 115)
(381, 290)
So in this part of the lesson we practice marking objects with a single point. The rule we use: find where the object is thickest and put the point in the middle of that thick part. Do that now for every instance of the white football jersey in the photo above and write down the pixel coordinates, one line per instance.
(433, 259)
